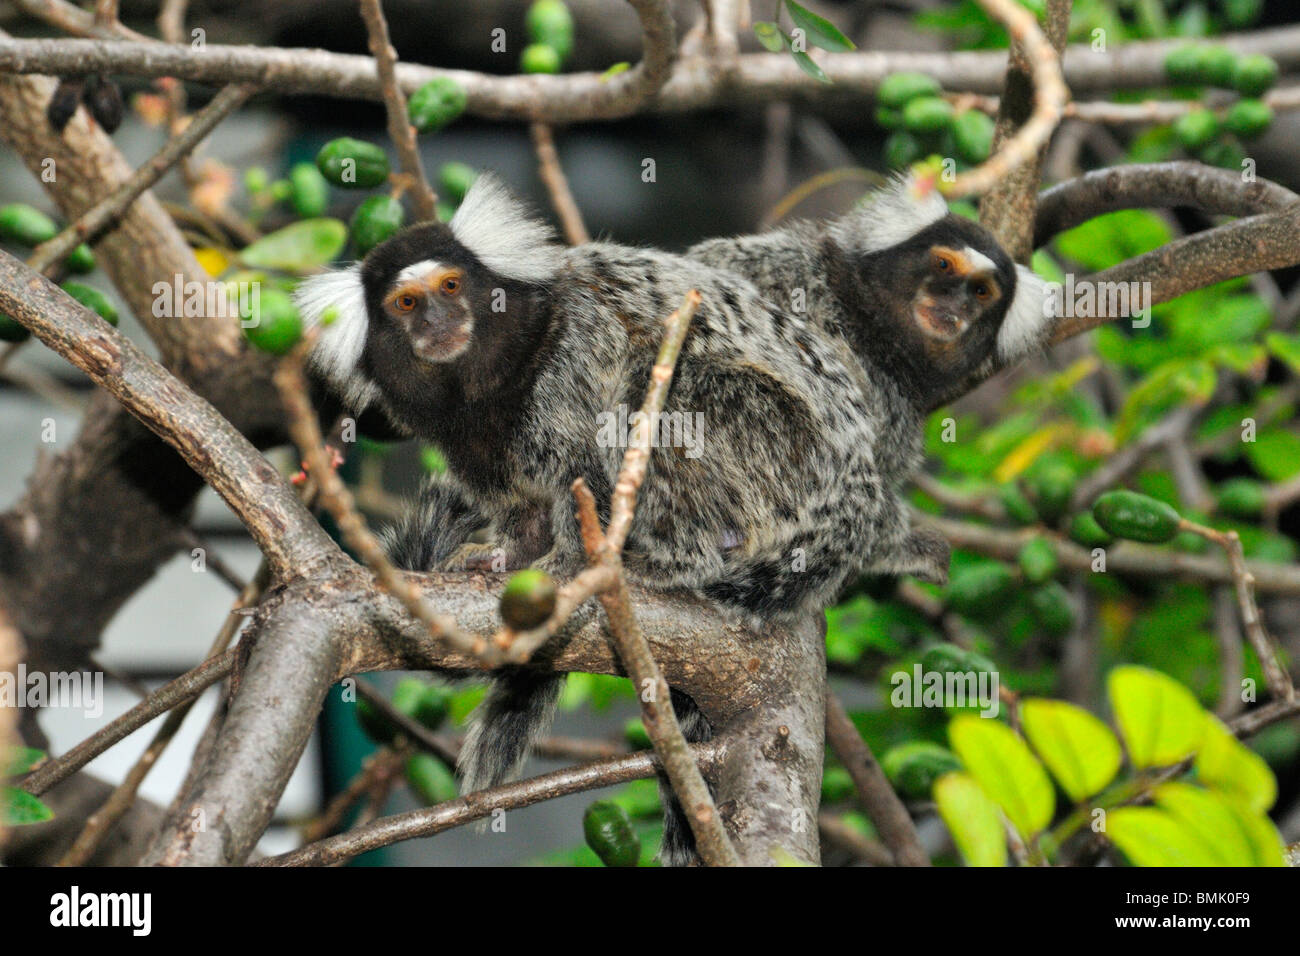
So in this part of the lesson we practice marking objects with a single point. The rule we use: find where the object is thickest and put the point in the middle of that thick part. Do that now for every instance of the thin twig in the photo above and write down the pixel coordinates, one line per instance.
(557, 185)
(186, 687)
(482, 803)
(91, 223)
(887, 813)
(400, 130)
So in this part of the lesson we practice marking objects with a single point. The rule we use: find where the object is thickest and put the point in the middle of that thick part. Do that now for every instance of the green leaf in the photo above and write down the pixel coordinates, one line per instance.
(1159, 719)
(299, 247)
(821, 32)
(770, 35)
(972, 818)
(1150, 836)
(20, 760)
(1079, 749)
(1207, 817)
(1285, 347)
(1226, 764)
(1170, 384)
(809, 66)
(19, 808)
(1275, 454)
(1263, 836)
(621, 67)
(1009, 773)
(1107, 240)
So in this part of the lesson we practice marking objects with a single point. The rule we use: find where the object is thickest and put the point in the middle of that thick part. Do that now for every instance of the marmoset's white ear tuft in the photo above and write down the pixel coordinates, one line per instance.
(1029, 317)
(502, 231)
(891, 215)
(337, 352)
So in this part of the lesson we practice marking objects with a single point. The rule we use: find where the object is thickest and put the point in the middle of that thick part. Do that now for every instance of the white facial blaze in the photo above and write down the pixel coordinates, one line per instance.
(892, 214)
(979, 261)
(337, 352)
(499, 229)
(1028, 318)
(417, 271)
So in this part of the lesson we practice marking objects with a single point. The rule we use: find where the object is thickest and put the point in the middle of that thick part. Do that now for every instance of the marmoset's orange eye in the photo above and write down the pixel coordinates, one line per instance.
(943, 263)
(982, 291)
(404, 303)
(450, 285)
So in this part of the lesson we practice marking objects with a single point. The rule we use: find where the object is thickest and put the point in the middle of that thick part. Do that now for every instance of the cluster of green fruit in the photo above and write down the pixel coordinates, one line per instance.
(923, 122)
(428, 705)
(550, 28)
(27, 227)
(1210, 137)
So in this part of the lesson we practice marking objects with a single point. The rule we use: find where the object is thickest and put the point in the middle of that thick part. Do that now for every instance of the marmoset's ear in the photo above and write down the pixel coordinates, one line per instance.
(889, 216)
(1029, 317)
(336, 356)
(504, 234)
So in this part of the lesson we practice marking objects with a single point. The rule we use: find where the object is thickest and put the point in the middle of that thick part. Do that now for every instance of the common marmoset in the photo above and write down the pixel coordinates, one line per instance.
(511, 352)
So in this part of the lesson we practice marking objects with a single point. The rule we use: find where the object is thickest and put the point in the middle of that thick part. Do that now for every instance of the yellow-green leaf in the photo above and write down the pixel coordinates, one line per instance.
(1264, 839)
(1226, 764)
(1079, 749)
(1000, 760)
(1159, 719)
(1209, 819)
(972, 818)
(1149, 836)
(299, 247)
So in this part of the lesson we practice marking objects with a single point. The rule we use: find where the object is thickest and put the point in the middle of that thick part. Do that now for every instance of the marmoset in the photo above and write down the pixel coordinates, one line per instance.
(514, 355)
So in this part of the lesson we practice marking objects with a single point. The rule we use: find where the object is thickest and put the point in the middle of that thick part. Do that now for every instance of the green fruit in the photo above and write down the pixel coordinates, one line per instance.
(1038, 560)
(406, 695)
(81, 260)
(980, 591)
(1241, 13)
(271, 322)
(1196, 129)
(1191, 542)
(309, 190)
(1248, 118)
(1183, 65)
(888, 117)
(374, 221)
(1217, 66)
(433, 706)
(528, 600)
(1127, 514)
(549, 22)
(21, 224)
(1225, 155)
(609, 833)
(898, 89)
(454, 180)
(1019, 508)
(927, 114)
(1052, 608)
(436, 103)
(913, 767)
(901, 149)
(972, 132)
(635, 733)
(1051, 485)
(1253, 74)
(951, 659)
(431, 779)
(376, 726)
(445, 211)
(1084, 530)
(12, 331)
(539, 58)
(1242, 498)
(352, 163)
(92, 299)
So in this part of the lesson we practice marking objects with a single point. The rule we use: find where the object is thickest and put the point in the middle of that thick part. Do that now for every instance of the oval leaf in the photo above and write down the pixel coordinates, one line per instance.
(1149, 836)
(1010, 774)
(19, 808)
(769, 34)
(1210, 819)
(821, 32)
(1229, 766)
(1079, 749)
(1264, 839)
(972, 818)
(1159, 719)
(299, 247)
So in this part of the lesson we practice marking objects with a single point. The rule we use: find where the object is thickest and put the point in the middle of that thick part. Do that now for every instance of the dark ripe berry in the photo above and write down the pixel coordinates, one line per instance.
(64, 103)
(104, 100)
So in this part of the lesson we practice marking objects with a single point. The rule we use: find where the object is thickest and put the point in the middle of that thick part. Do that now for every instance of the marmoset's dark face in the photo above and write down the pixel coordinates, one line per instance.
(953, 286)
